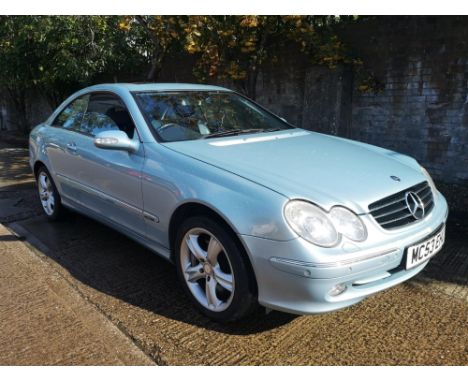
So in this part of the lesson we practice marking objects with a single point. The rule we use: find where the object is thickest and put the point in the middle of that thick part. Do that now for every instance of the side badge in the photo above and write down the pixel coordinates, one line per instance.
(395, 178)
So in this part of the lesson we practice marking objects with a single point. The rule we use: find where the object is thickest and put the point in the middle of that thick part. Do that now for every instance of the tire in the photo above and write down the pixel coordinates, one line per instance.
(211, 265)
(49, 195)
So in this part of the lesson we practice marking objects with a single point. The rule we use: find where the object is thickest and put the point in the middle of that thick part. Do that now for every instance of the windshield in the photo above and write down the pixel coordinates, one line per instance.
(187, 115)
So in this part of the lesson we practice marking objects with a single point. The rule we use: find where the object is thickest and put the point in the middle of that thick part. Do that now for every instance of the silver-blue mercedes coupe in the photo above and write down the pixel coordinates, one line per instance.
(250, 209)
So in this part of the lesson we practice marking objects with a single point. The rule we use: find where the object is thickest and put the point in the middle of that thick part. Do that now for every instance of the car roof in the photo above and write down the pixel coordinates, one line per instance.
(145, 87)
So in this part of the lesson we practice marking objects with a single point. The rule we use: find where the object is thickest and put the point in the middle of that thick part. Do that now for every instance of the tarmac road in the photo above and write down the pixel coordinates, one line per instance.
(421, 322)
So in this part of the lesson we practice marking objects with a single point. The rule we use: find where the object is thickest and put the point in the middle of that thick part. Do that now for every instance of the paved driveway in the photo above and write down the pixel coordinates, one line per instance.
(420, 322)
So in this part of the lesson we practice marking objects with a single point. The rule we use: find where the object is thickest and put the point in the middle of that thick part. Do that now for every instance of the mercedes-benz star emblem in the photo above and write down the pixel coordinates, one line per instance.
(415, 205)
(395, 178)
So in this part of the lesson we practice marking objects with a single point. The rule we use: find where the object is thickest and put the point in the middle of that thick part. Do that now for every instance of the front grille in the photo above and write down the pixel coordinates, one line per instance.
(392, 211)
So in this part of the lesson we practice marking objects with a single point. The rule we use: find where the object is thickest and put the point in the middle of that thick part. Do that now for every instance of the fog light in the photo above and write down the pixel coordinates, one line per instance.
(337, 290)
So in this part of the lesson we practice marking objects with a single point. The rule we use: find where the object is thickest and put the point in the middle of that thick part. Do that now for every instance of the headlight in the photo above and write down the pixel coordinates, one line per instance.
(348, 224)
(321, 228)
(429, 179)
(311, 223)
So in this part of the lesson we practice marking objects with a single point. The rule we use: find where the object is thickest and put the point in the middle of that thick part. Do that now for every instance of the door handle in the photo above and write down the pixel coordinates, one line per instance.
(71, 146)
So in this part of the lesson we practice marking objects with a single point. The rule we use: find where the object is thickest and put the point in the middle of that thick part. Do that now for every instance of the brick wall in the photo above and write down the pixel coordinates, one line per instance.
(421, 109)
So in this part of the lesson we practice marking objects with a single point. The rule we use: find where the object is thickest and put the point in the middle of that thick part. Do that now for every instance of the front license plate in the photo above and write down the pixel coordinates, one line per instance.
(419, 253)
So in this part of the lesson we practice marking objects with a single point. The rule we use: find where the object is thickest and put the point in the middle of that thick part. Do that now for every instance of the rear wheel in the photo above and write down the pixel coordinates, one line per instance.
(48, 194)
(213, 270)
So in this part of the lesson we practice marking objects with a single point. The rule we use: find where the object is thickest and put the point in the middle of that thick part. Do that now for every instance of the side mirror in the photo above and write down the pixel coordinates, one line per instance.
(115, 140)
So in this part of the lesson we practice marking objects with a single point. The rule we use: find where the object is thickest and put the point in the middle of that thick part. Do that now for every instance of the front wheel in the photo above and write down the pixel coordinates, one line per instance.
(48, 194)
(213, 270)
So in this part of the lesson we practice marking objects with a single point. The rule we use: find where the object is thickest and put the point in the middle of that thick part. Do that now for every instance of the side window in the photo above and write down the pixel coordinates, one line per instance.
(70, 118)
(107, 112)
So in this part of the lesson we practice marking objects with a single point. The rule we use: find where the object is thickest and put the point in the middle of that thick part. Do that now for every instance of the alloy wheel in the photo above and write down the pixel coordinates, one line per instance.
(46, 193)
(207, 270)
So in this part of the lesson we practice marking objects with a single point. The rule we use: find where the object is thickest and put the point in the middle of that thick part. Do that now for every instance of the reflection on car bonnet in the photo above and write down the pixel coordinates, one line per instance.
(241, 141)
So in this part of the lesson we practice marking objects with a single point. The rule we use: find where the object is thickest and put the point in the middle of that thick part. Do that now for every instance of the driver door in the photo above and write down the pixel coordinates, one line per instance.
(111, 178)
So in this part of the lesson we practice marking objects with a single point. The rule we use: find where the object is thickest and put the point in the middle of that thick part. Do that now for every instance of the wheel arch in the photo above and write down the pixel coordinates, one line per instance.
(190, 209)
(37, 165)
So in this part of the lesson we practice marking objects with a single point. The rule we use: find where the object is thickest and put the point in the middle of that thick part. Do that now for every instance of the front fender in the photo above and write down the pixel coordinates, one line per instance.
(37, 147)
(171, 179)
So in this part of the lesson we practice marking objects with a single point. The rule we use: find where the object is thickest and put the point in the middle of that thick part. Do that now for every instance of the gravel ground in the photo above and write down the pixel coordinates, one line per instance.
(421, 322)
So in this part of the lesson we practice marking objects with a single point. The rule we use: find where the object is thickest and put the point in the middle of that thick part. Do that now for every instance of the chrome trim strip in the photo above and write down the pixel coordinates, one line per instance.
(150, 217)
(334, 264)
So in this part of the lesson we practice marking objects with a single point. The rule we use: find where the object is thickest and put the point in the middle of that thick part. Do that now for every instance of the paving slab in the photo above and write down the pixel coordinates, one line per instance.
(45, 321)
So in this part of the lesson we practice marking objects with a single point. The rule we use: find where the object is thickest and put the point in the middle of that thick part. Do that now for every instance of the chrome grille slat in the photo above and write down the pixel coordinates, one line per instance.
(388, 204)
(420, 186)
(429, 205)
(423, 194)
(427, 198)
(392, 212)
(399, 223)
(384, 222)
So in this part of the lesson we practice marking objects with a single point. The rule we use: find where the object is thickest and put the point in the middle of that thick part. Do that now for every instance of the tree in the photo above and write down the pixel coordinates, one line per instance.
(156, 37)
(17, 69)
(236, 47)
(56, 55)
(232, 47)
(71, 52)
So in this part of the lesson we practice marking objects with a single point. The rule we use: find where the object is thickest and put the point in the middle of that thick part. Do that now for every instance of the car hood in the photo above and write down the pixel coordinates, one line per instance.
(302, 164)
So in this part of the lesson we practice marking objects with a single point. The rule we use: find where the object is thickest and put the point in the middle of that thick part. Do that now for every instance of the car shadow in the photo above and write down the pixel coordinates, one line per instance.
(109, 262)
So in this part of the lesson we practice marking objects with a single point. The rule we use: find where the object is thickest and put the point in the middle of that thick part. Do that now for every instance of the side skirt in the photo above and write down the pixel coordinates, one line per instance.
(151, 245)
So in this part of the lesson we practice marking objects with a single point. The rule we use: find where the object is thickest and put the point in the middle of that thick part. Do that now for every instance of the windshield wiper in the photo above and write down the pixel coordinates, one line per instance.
(226, 133)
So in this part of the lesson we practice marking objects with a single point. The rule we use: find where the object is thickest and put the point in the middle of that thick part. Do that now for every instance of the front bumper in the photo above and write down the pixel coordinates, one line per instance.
(296, 276)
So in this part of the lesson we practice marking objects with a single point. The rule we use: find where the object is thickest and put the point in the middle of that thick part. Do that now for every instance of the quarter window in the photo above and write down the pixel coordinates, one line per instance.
(70, 118)
(107, 112)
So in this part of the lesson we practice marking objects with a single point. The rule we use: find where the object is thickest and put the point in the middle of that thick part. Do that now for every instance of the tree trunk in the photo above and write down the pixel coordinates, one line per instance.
(155, 70)
(18, 100)
(54, 98)
(159, 53)
(252, 83)
(254, 67)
